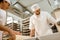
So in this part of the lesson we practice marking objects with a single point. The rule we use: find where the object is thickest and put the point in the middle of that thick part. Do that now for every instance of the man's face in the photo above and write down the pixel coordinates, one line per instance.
(37, 11)
(5, 5)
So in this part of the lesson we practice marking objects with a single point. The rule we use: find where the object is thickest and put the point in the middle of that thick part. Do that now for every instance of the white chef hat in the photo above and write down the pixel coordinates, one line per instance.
(34, 7)
(8, 1)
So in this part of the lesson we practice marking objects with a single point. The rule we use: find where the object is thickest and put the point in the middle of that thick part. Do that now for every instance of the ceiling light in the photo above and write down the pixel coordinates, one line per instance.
(27, 12)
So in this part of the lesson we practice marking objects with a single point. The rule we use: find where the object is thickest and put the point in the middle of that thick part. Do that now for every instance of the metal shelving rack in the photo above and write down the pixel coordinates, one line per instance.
(25, 27)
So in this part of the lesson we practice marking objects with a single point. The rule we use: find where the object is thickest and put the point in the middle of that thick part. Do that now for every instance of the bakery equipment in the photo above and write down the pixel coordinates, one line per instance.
(55, 36)
(19, 37)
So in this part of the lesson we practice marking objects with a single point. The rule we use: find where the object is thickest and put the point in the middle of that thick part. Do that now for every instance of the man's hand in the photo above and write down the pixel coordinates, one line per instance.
(32, 32)
(13, 34)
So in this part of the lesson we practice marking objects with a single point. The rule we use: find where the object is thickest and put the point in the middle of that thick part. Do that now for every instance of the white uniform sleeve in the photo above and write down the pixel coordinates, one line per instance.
(31, 25)
(50, 18)
(2, 17)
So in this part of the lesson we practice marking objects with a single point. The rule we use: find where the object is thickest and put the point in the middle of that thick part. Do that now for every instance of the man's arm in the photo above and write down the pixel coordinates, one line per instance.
(31, 27)
(4, 28)
(11, 32)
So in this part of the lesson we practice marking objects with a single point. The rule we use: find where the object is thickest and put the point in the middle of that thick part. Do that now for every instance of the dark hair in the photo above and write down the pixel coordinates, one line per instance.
(1, 1)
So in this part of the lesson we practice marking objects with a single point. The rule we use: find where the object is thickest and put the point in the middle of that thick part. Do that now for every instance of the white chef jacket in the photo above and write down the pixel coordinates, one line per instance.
(40, 23)
(2, 17)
